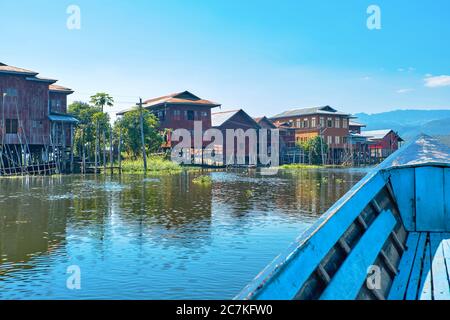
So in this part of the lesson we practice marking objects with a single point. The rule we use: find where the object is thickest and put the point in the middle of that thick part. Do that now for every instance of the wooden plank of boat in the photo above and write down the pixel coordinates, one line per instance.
(284, 277)
(402, 181)
(414, 279)
(425, 289)
(406, 264)
(430, 201)
(441, 289)
(446, 246)
(348, 281)
(447, 197)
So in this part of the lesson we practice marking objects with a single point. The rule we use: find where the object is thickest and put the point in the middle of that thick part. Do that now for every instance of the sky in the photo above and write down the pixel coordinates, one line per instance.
(263, 56)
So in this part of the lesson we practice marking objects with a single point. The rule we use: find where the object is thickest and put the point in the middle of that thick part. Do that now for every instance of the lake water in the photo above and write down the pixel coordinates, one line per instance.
(154, 238)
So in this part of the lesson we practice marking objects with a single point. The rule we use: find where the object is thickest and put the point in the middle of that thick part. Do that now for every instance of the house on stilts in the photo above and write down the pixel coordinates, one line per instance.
(36, 133)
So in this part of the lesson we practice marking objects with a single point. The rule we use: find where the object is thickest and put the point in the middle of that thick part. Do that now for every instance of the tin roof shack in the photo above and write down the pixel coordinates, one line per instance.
(34, 119)
(356, 127)
(326, 122)
(382, 143)
(179, 111)
(235, 120)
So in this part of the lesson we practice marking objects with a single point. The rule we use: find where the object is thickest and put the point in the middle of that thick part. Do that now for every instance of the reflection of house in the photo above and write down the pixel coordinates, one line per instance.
(236, 119)
(34, 116)
(382, 143)
(179, 111)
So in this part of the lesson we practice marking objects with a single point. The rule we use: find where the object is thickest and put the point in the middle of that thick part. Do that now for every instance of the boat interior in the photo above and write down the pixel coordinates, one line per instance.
(388, 238)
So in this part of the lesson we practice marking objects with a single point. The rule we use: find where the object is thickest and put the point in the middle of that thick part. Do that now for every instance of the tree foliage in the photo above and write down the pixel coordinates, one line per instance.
(130, 128)
(101, 100)
(314, 148)
(87, 131)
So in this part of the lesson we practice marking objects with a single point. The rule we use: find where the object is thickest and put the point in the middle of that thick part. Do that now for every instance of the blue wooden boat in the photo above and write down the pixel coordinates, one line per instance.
(388, 238)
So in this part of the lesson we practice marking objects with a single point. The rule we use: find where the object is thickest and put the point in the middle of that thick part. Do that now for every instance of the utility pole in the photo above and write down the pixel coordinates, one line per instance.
(141, 117)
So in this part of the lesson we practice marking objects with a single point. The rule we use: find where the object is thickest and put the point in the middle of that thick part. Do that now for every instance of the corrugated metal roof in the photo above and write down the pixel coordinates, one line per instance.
(62, 118)
(4, 68)
(184, 97)
(326, 110)
(356, 124)
(57, 88)
(219, 118)
(376, 134)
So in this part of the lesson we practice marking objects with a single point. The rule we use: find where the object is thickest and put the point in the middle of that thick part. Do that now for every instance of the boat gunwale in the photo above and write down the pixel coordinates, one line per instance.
(254, 288)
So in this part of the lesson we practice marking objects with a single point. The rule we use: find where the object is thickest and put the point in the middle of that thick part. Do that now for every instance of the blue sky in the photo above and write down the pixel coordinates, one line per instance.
(263, 56)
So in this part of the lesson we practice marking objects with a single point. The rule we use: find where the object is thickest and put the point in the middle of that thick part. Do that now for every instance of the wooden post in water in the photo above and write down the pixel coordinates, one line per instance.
(119, 150)
(96, 147)
(141, 117)
(104, 152)
(111, 155)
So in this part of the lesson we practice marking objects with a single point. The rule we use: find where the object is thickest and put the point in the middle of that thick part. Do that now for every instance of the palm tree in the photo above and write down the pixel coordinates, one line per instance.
(101, 100)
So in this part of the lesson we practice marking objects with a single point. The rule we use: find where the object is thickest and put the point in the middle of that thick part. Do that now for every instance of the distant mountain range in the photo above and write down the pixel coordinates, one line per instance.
(409, 123)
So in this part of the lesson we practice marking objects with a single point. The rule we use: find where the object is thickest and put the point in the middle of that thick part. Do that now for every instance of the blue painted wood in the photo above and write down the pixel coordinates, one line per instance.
(447, 198)
(430, 214)
(425, 289)
(441, 288)
(402, 181)
(414, 279)
(446, 244)
(284, 277)
(349, 279)
(400, 283)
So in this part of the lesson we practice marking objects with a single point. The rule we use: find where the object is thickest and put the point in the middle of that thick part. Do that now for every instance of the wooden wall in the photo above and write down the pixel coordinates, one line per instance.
(423, 196)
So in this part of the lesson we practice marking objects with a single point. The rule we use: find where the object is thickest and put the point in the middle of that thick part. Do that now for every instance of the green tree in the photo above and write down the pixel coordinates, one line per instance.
(129, 124)
(101, 100)
(314, 148)
(86, 131)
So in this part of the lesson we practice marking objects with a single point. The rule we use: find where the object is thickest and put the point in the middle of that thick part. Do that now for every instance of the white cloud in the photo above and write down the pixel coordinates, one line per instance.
(400, 91)
(437, 81)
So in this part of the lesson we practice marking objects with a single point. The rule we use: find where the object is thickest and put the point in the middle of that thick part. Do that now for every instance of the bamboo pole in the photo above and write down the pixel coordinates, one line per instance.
(141, 118)
(111, 155)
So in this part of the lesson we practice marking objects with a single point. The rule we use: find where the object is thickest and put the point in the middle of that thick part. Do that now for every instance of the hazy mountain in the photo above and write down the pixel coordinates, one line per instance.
(409, 123)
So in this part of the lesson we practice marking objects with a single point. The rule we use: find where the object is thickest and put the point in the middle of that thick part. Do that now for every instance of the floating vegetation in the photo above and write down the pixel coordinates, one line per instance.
(249, 193)
(297, 166)
(154, 165)
(202, 180)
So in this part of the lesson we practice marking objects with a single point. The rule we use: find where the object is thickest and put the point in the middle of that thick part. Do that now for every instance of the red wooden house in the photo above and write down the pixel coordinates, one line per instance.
(33, 117)
(382, 143)
(179, 111)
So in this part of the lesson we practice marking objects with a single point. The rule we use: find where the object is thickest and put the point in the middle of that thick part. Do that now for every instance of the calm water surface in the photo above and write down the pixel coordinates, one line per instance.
(154, 238)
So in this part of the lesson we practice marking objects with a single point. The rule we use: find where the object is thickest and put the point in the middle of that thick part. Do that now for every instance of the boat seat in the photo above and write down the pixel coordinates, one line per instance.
(424, 270)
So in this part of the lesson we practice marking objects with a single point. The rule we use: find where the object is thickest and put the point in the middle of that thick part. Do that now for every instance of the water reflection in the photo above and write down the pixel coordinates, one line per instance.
(150, 238)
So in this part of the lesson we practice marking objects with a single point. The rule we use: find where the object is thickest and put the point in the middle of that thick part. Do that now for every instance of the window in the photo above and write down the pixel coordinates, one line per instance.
(330, 123)
(338, 140)
(322, 122)
(176, 115)
(161, 115)
(55, 104)
(190, 115)
(345, 123)
(12, 126)
(337, 122)
(313, 123)
(330, 140)
(305, 123)
(299, 124)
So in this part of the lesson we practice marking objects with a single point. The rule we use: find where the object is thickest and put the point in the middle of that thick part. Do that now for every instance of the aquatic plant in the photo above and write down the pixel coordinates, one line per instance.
(155, 164)
(202, 180)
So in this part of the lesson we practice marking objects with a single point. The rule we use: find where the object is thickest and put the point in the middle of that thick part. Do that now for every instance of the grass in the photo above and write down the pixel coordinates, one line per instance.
(203, 180)
(155, 164)
(296, 166)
